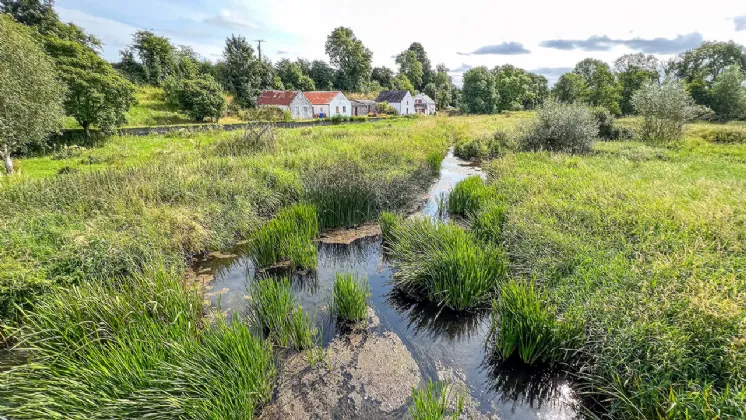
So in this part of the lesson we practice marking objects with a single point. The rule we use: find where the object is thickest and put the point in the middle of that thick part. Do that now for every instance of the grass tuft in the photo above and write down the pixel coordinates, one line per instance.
(351, 296)
(389, 222)
(288, 237)
(470, 195)
(435, 402)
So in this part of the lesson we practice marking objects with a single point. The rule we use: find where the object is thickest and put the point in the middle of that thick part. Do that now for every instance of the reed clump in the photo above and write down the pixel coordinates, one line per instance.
(436, 401)
(288, 237)
(350, 297)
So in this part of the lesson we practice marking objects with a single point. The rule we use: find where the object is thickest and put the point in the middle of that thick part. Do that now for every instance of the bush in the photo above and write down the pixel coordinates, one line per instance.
(199, 98)
(725, 134)
(351, 296)
(488, 147)
(665, 110)
(386, 109)
(445, 264)
(288, 237)
(567, 128)
(605, 122)
(522, 323)
(273, 309)
(435, 403)
(265, 113)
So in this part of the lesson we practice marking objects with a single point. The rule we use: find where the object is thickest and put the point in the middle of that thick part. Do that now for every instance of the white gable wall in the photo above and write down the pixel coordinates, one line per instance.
(406, 106)
(340, 105)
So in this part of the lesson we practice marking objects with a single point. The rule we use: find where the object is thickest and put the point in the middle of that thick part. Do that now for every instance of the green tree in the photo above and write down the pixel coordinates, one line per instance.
(443, 87)
(401, 82)
(665, 109)
(538, 91)
(350, 57)
(156, 56)
(40, 15)
(30, 95)
(633, 72)
(96, 94)
(728, 95)
(427, 68)
(700, 67)
(512, 85)
(603, 89)
(410, 67)
(129, 67)
(243, 75)
(322, 75)
(200, 98)
(187, 64)
(292, 76)
(570, 89)
(384, 76)
(478, 96)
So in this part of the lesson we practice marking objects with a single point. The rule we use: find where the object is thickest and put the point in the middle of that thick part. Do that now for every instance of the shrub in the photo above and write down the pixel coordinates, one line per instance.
(265, 113)
(728, 95)
(522, 324)
(273, 309)
(128, 348)
(725, 134)
(487, 147)
(435, 403)
(605, 122)
(337, 119)
(665, 110)
(199, 98)
(288, 237)
(445, 264)
(470, 195)
(351, 296)
(568, 128)
(386, 109)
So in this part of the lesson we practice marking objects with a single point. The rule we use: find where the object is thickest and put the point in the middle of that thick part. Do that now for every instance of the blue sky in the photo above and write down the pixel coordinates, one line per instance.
(544, 36)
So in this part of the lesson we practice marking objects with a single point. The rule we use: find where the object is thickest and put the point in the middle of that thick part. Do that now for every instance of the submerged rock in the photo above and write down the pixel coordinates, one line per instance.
(366, 374)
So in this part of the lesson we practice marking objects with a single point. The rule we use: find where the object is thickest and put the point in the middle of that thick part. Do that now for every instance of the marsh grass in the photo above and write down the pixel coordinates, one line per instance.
(469, 195)
(522, 324)
(389, 222)
(135, 349)
(487, 222)
(350, 297)
(273, 310)
(436, 402)
(446, 264)
(288, 237)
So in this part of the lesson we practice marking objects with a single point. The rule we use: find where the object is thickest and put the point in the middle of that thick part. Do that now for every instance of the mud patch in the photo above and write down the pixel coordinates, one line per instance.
(348, 236)
(367, 374)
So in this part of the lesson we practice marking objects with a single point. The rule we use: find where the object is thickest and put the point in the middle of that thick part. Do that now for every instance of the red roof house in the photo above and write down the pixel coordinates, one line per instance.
(329, 103)
(291, 100)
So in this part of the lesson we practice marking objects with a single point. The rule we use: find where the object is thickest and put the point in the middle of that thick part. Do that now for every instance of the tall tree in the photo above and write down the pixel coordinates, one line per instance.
(292, 76)
(401, 82)
(427, 68)
(322, 75)
(410, 67)
(382, 75)
(478, 95)
(96, 93)
(187, 64)
(728, 95)
(156, 55)
(538, 91)
(40, 15)
(633, 72)
(700, 67)
(570, 88)
(350, 57)
(603, 89)
(443, 87)
(512, 85)
(30, 95)
(243, 75)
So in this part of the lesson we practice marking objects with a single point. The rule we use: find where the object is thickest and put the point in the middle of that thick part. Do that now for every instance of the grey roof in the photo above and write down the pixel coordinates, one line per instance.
(392, 96)
(363, 102)
(424, 98)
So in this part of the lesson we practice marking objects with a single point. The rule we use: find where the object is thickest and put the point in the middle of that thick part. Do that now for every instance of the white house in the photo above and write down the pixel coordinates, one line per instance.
(329, 103)
(423, 104)
(291, 100)
(401, 100)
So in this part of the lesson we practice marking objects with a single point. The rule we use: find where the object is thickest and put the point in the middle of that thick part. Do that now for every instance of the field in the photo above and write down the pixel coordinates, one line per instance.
(639, 248)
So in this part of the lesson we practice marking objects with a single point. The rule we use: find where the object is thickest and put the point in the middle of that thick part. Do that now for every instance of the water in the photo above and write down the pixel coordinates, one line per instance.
(439, 340)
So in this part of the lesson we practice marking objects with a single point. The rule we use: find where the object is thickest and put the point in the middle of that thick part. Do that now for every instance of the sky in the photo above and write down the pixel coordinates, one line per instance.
(546, 37)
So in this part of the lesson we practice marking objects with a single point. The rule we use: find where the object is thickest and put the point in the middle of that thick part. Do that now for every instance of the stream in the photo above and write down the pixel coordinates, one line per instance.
(443, 344)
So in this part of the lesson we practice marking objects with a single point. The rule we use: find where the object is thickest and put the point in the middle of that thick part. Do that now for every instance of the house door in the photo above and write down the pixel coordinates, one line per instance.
(356, 111)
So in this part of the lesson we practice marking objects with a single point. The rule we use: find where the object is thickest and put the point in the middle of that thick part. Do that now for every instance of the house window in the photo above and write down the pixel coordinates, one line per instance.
(337, 109)
(344, 109)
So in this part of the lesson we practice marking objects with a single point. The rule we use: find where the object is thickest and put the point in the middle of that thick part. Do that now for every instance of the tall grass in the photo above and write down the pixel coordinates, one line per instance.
(350, 297)
(470, 195)
(131, 350)
(289, 236)
(522, 324)
(446, 264)
(274, 311)
(389, 222)
(436, 402)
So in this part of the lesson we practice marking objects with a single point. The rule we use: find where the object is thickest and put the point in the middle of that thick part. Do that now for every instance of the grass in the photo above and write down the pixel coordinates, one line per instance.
(133, 349)
(469, 195)
(644, 247)
(288, 237)
(274, 311)
(435, 402)
(350, 298)
(445, 264)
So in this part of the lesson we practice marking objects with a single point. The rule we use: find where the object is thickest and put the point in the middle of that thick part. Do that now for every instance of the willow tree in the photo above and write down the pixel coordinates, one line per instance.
(30, 95)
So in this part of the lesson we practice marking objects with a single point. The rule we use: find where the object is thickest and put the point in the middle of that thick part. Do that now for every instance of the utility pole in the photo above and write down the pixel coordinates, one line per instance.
(259, 41)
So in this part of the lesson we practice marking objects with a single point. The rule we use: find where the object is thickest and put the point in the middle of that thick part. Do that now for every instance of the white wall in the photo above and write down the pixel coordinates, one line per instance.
(342, 103)
(406, 106)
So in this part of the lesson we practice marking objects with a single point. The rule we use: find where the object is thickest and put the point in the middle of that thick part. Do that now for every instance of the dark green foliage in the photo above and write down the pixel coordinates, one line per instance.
(156, 56)
(274, 311)
(293, 76)
(570, 89)
(322, 75)
(199, 98)
(435, 402)
(130, 349)
(384, 77)
(242, 74)
(487, 147)
(445, 264)
(523, 324)
(728, 95)
(559, 127)
(605, 122)
(478, 95)
(470, 195)
(603, 90)
(351, 59)
(288, 237)
(350, 298)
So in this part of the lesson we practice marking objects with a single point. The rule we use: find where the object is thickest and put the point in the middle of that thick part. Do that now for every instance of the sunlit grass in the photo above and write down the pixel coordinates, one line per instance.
(350, 297)
(288, 237)
(436, 401)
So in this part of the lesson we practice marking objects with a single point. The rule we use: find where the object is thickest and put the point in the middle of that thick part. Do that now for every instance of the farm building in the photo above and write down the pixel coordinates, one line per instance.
(294, 101)
(401, 100)
(329, 103)
(423, 104)
(362, 107)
